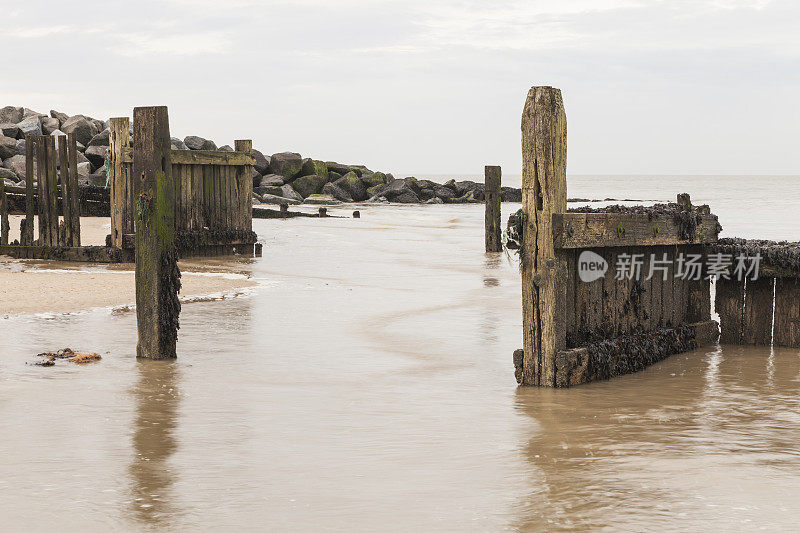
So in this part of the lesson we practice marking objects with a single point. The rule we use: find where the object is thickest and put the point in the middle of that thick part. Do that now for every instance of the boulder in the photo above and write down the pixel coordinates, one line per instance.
(445, 193)
(83, 128)
(286, 164)
(411, 181)
(407, 197)
(398, 188)
(61, 117)
(262, 162)
(16, 164)
(101, 139)
(198, 143)
(377, 200)
(99, 125)
(96, 155)
(352, 184)
(331, 189)
(49, 125)
(314, 167)
(450, 184)
(333, 176)
(427, 184)
(8, 175)
(177, 144)
(377, 190)
(462, 187)
(31, 125)
(288, 192)
(84, 168)
(11, 114)
(339, 168)
(321, 199)
(371, 179)
(21, 146)
(434, 200)
(271, 180)
(82, 158)
(28, 112)
(308, 185)
(278, 200)
(271, 189)
(510, 194)
(226, 148)
(10, 130)
(8, 147)
(426, 194)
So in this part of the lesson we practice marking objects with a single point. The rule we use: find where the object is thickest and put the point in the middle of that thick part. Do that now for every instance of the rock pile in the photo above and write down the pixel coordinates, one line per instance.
(282, 178)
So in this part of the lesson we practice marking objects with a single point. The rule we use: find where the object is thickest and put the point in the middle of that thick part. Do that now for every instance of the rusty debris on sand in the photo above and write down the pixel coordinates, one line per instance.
(49, 358)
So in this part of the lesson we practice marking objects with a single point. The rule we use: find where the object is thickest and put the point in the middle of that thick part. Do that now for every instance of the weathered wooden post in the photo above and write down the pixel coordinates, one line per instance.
(544, 193)
(41, 193)
(121, 183)
(74, 191)
(52, 191)
(26, 235)
(66, 206)
(492, 219)
(157, 275)
(244, 187)
(4, 227)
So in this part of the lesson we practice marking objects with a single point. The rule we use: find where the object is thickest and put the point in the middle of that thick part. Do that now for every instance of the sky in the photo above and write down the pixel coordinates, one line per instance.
(428, 86)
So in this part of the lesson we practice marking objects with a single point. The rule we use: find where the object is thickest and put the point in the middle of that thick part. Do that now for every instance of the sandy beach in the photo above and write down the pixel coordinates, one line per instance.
(48, 287)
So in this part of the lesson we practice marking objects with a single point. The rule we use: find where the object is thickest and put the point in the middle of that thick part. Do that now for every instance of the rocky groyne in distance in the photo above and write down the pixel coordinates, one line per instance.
(280, 178)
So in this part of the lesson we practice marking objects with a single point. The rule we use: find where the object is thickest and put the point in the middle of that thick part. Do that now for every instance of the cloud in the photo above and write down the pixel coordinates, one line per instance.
(188, 44)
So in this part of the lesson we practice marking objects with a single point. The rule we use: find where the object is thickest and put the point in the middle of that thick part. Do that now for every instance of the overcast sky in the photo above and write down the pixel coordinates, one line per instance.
(430, 86)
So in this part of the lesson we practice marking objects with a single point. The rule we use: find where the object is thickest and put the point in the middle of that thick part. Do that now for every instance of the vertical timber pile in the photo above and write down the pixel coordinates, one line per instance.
(26, 233)
(66, 206)
(492, 194)
(3, 214)
(157, 274)
(244, 188)
(52, 191)
(41, 185)
(120, 194)
(74, 191)
(544, 192)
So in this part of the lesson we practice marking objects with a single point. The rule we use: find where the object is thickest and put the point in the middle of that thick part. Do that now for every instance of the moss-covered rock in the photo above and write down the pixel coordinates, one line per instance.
(352, 184)
(321, 199)
(313, 167)
(372, 179)
(308, 185)
(331, 189)
(286, 164)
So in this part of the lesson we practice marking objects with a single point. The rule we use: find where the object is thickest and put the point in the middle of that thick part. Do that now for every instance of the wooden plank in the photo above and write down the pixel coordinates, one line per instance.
(86, 254)
(74, 191)
(591, 230)
(4, 227)
(787, 312)
(544, 192)
(757, 317)
(121, 215)
(204, 157)
(729, 304)
(245, 181)
(492, 223)
(30, 157)
(157, 274)
(66, 206)
(570, 257)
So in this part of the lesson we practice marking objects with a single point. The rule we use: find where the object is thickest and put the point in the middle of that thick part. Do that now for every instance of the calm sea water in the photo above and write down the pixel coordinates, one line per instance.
(368, 386)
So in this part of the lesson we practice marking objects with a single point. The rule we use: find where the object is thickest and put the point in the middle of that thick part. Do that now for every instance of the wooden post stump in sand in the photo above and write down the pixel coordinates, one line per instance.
(544, 193)
(492, 219)
(157, 275)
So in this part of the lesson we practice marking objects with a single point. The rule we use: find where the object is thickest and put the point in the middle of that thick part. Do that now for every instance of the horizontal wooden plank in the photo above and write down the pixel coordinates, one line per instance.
(600, 230)
(87, 254)
(201, 157)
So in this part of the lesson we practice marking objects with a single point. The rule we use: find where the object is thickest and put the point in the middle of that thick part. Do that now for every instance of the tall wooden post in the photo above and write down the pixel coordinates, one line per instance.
(66, 206)
(157, 274)
(787, 312)
(492, 219)
(74, 190)
(26, 236)
(544, 192)
(4, 227)
(244, 188)
(52, 190)
(121, 183)
(41, 191)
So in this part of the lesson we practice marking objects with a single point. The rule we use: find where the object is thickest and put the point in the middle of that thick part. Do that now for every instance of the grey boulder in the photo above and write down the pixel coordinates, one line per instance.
(8, 175)
(16, 164)
(331, 189)
(308, 185)
(225, 148)
(271, 180)
(289, 192)
(96, 155)
(198, 143)
(177, 144)
(83, 129)
(286, 164)
(61, 117)
(10, 130)
(49, 125)
(101, 139)
(31, 125)
(262, 162)
(11, 114)
(8, 147)
(278, 200)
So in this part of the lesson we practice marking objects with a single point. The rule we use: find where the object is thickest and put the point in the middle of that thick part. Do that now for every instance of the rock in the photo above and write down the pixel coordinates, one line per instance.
(10, 130)
(9, 175)
(270, 189)
(308, 185)
(426, 194)
(427, 184)
(463, 187)
(95, 180)
(27, 112)
(31, 125)
(467, 198)
(290, 193)
(434, 200)
(83, 128)
(177, 144)
(198, 143)
(226, 148)
(373, 178)
(84, 168)
(314, 167)
(11, 114)
(21, 146)
(8, 147)
(331, 189)
(321, 199)
(377, 200)
(96, 155)
(353, 186)
(101, 139)
(406, 198)
(286, 164)
(444, 193)
(271, 180)
(49, 125)
(510, 194)
(411, 181)
(377, 190)
(278, 200)
(333, 176)
(340, 169)
(16, 164)
(262, 162)
(61, 117)
(450, 184)
(82, 158)
(81, 148)
(400, 188)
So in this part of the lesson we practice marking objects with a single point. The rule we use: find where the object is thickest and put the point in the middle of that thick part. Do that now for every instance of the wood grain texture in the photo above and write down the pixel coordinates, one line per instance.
(122, 197)
(4, 226)
(74, 191)
(729, 304)
(41, 189)
(787, 312)
(203, 157)
(544, 273)
(492, 222)
(30, 212)
(64, 181)
(757, 316)
(52, 191)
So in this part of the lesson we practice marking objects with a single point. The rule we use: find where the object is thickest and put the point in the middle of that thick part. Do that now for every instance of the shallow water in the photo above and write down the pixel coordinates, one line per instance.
(368, 385)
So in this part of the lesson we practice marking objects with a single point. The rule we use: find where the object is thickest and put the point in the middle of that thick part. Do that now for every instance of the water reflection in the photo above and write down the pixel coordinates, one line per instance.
(156, 396)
